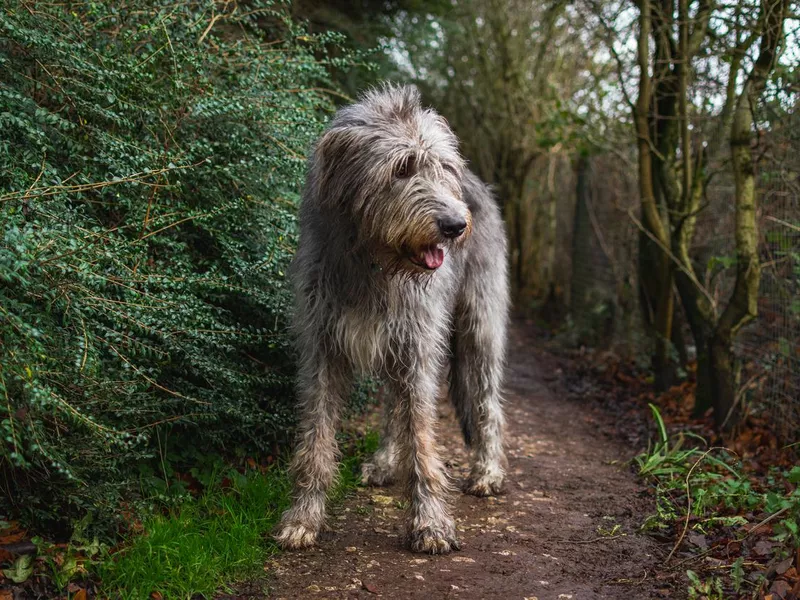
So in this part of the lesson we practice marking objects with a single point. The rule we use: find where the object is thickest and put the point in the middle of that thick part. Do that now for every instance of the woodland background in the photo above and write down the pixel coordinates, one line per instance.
(645, 155)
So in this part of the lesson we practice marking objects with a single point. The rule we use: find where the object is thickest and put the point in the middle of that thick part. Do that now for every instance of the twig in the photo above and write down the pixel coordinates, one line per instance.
(767, 520)
(175, 224)
(39, 176)
(285, 148)
(83, 187)
(782, 222)
(675, 259)
(739, 395)
(689, 500)
(592, 541)
(627, 581)
(153, 382)
(214, 19)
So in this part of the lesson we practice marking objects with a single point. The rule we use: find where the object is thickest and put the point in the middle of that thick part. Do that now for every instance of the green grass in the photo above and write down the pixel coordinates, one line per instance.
(214, 540)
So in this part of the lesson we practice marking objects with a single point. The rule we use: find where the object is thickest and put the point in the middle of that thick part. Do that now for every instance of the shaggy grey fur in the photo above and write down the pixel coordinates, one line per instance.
(401, 268)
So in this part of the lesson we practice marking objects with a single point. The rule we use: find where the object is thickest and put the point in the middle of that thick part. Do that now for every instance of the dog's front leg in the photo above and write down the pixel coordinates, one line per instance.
(430, 525)
(322, 387)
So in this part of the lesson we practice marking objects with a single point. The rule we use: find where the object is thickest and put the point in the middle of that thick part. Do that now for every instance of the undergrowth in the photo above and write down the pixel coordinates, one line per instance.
(707, 499)
(151, 156)
(196, 546)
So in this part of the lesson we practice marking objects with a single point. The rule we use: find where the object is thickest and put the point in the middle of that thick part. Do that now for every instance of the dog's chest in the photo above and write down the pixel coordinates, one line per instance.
(395, 327)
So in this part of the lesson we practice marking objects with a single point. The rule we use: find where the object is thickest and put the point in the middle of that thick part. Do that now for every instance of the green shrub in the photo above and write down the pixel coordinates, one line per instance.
(151, 155)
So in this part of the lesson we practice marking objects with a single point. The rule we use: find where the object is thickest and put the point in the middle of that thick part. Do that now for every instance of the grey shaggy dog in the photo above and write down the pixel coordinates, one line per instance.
(401, 269)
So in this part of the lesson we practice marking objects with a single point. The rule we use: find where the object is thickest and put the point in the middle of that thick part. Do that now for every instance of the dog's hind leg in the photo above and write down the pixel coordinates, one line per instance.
(381, 468)
(476, 375)
(322, 388)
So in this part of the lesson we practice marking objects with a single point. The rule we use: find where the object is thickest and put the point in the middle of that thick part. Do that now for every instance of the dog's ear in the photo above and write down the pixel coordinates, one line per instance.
(335, 151)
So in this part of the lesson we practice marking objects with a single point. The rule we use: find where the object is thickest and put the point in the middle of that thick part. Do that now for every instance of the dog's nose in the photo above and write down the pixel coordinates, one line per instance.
(452, 227)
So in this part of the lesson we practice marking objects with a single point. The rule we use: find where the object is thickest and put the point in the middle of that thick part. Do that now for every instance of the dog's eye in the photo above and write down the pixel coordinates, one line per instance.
(406, 168)
(450, 169)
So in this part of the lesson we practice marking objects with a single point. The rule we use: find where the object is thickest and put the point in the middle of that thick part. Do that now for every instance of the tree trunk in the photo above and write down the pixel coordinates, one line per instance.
(658, 282)
(723, 381)
(581, 246)
(742, 306)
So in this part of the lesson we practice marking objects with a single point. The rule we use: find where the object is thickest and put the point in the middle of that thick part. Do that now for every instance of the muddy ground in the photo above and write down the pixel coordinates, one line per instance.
(566, 528)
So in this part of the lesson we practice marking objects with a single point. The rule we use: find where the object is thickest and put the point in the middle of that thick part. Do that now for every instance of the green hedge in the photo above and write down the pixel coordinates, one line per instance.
(151, 156)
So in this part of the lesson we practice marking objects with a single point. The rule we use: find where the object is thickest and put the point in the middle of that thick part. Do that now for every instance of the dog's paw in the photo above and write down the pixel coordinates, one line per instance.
(295, 536)
(432, 540)
(376, 475)
(485, 484)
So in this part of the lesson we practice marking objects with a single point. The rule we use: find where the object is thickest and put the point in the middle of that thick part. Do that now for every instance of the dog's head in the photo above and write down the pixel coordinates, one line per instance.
(394, 168)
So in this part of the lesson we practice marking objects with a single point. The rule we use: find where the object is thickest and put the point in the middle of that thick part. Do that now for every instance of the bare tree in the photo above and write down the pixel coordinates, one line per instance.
(680, 129)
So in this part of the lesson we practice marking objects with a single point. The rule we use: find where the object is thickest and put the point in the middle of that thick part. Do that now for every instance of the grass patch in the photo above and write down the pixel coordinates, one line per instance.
(198, 547)
(217, 539)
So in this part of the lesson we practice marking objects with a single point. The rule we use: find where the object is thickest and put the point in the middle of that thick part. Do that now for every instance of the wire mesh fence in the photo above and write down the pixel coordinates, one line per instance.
(599, 258)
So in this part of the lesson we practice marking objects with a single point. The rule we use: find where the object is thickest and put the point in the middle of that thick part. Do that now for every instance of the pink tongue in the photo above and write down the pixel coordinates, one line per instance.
(434, 257)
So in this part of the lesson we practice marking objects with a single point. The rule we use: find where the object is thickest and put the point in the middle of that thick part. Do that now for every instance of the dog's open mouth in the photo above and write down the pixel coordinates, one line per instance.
(430, 258)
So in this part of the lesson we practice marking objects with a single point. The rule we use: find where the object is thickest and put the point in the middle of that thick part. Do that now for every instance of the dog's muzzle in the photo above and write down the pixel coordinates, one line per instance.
(451, 228)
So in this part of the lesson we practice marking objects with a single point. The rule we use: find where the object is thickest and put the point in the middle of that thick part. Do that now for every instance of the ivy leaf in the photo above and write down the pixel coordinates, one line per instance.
(794, 475)
(21, 569)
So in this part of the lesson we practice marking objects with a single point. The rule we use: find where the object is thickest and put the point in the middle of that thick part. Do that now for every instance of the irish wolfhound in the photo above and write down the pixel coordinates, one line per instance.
(401, 267)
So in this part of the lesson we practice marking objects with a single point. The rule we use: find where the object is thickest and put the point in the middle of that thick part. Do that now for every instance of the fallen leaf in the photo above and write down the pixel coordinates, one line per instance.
(79, 595)
(784, 566)
(780, 588)
(12, 534)
(381, 499)
(698, 540)
(764, 547)
(370, 587)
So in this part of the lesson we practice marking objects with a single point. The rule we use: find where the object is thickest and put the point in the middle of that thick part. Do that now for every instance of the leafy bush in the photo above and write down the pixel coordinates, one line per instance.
(152, 155)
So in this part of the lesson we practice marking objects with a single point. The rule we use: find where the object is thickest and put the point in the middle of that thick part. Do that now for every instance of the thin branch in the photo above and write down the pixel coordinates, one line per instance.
(675, 259)
(52, 190)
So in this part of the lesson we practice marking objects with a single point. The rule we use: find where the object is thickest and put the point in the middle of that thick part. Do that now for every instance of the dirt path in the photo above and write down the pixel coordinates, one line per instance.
(565, 529)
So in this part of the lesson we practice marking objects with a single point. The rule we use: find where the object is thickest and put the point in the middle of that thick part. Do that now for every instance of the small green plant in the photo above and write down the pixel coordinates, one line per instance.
(737, 573)
(73, 561)
(663, 459)
(356, 450)
(787, 527)
(707, 589)
(609, 531)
